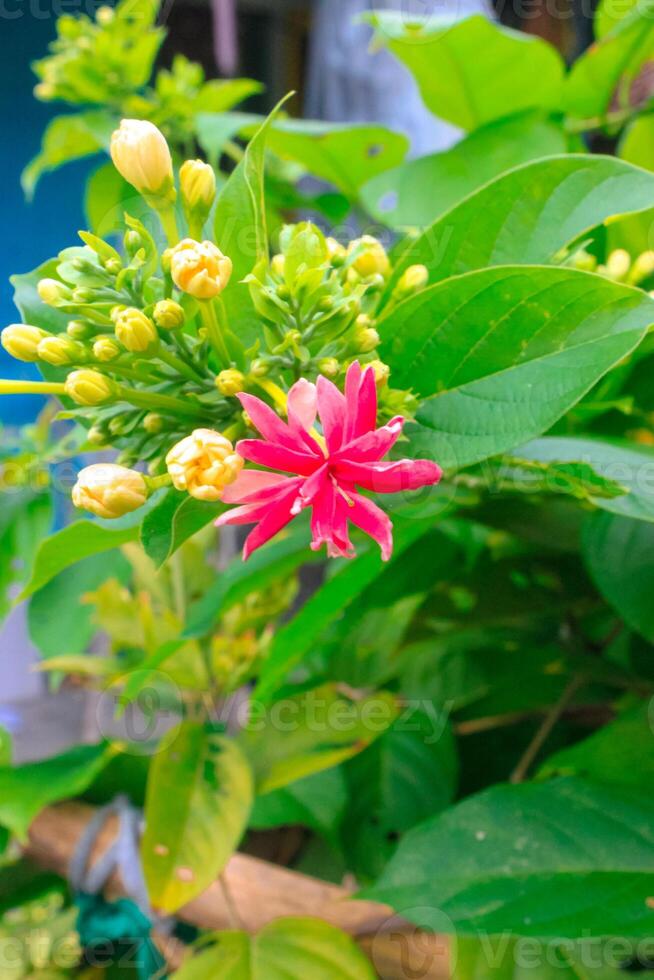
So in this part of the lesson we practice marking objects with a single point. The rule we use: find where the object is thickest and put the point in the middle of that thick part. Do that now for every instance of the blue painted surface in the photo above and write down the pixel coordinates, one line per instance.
(31, 232)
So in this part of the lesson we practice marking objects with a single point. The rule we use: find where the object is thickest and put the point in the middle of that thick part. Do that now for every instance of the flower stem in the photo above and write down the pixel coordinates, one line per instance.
(214, 329)
(274, 391)
(168, 220)
(152, 400)
(31, 388)
(178, 365)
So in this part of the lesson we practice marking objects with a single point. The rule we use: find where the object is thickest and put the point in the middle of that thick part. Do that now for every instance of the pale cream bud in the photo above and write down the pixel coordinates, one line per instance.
(336, 252)
(89, 388)
(414, 278)
(199, 268)
(109, 490)
(230, 382)
(278, 264)
(203, 464)
(21, 341)
(197, 183)
(141, 155)
(618, 264)
(136, 332)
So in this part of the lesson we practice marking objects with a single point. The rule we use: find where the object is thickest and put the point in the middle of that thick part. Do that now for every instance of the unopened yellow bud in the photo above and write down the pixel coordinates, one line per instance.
(141, 155)
(53, 292)
(79, 330)
(44, 91)
(87, 387)
(136, 332)
(583, 261)
(642, 268)
(336, 252)
(203, 464)
(369, 257)
(106, 349)
(382, 372)
(21, 341)
(329, 366)
(168, 315)
(109, 490)
(278, 264)
(416, 277)
(153, 423)
(199, 268)
(618, 264)
(61, 351)
(230, 382)
(97, 436)
(104, 16)
(197, 182)
(366, 337)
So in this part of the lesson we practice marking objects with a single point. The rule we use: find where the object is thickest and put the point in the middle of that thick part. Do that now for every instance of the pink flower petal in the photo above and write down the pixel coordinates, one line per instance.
(408, 474)
(372, 519)
(361, 397)
(269, 424)
(277, 516)
(278, 457)
(252, 486)
(371, 446)
(332, 409)
(302, 405)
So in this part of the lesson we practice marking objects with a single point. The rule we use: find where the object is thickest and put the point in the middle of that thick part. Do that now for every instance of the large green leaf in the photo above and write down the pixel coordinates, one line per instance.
(300, 735)
(175, 519)
(505, 958)
(297, 637)
(317, 802)
(287, 949)
(600, 80)
(506, 352)
(418, 191)
(68, 138)
(564, 858)
(198, 801)
(625, 463)
(26, 790)
(455, 66)
(32, 308)
(621, 752)
(619, 554)
(528, 214)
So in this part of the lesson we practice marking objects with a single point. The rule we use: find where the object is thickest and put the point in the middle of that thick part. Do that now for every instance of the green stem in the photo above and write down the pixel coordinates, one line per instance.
(178, 365)
(195, 229)
(31, 388)
(152, 399)
(169, 223)
(157, 482)
(214, 329)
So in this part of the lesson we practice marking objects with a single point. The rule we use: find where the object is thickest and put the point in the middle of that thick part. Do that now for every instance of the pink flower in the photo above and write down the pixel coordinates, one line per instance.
(327, 469)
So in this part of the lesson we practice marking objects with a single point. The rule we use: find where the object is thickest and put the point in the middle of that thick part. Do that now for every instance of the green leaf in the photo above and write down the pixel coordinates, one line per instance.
(576, 479)
(26, 790)
(175, 519)
(317, 802)
(407, 775)
(75, 542)
(300, 735)
(287, 949)
(467, 89)
(506, 352)
(59, 621)
(296, 638)
(504, 958)
(275, 561)
(419, 191)
(528, 214)
(345, 154)
(602, 75)
(619, 555)
(617, 460)
(5, 747)
(107, 197)
(220, 94)
(564, 859)
(621, 753)
(67, 138)
(198, 801)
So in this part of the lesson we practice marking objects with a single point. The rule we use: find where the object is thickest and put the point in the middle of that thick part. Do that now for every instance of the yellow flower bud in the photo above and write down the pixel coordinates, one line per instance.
(329, 366)
(53, 292)
(60, 351)
(416, 277)
(136, 332)
(104, 16)
(21, 341)
(109, 490)
(230, 382)
(197, 182)
(382, 372)
(106, 349)
(278, 264)
(200, 268)
(336, 251)
(583, 261)
(203, 464)
(642, 268)
(366, 337)
(369, 257)
(153, 423)
(141, 155)
(88, 387)
(168, 315)
(618, 264)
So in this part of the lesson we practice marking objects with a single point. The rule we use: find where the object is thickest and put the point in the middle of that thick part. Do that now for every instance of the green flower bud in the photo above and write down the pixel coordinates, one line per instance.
(132, 242)
(78, 330)
(329, 366)
(259, 367)
(21, 341)
(153, 423)
(168, 315)
(113, 266)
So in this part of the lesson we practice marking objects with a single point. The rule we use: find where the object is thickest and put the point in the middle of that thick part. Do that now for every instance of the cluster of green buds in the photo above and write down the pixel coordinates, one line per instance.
(319, 300)
(146, 358)
(101, 61)
(619, 265)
